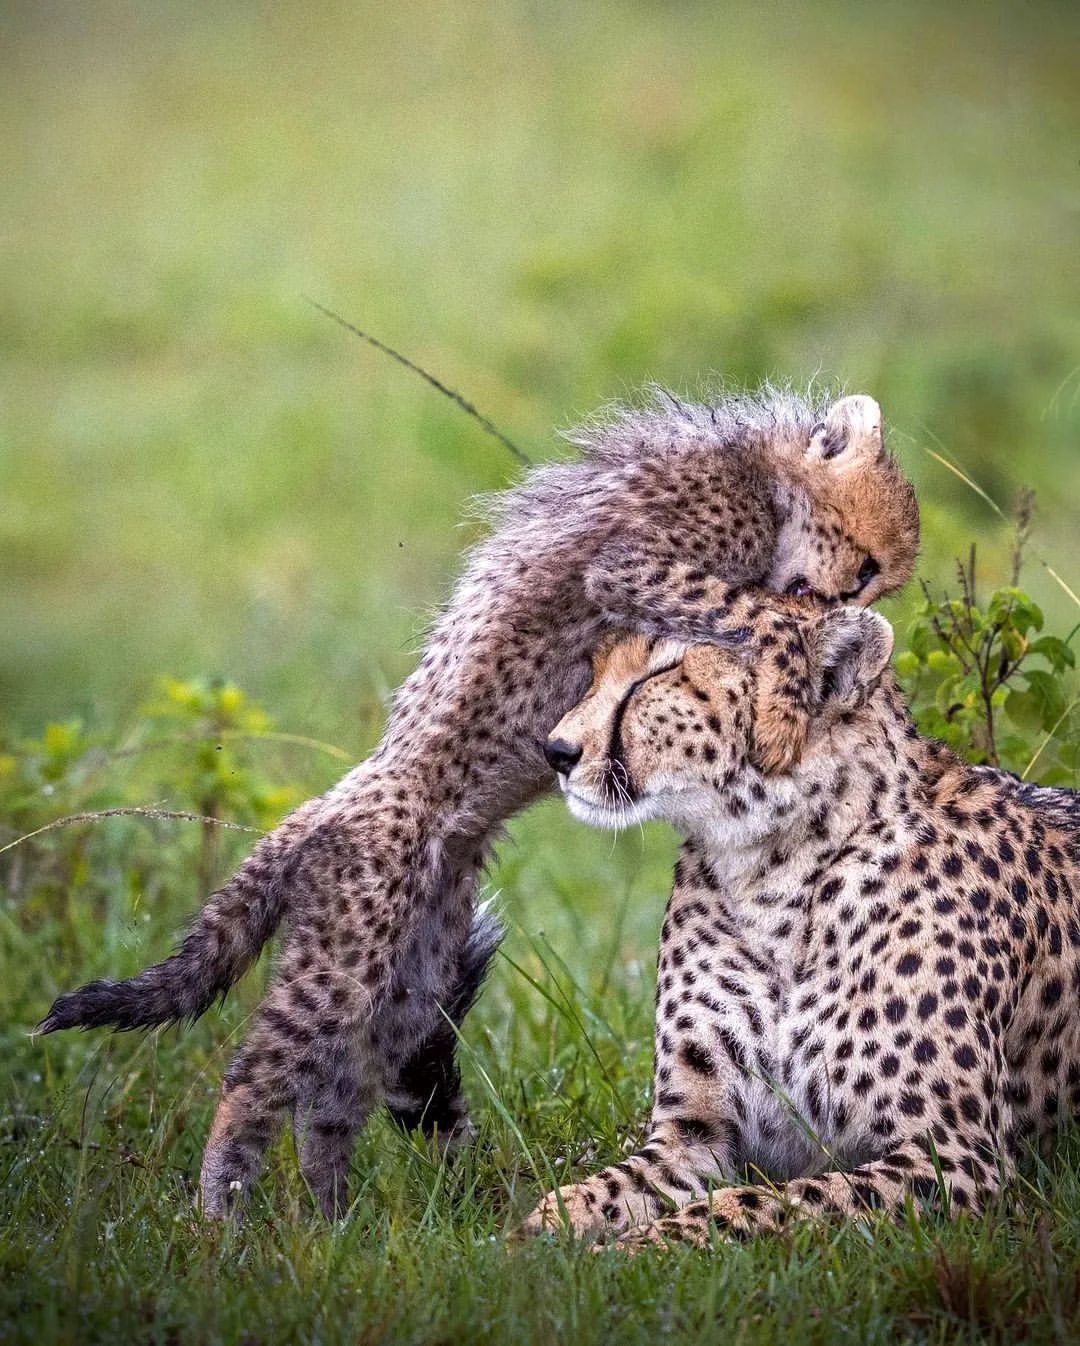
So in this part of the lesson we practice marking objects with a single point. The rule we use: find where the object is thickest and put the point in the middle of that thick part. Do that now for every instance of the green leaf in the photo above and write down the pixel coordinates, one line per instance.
(1013, 607)
(1054, 650)
(1025, 709)
(944, 662)
(1047, 695)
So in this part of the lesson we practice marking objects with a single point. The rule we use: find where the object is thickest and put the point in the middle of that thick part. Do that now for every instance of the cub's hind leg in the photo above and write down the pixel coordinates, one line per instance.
(258, 1089)
(353, 900)
(357, 1053)
(305, 1054)
(333, 1103)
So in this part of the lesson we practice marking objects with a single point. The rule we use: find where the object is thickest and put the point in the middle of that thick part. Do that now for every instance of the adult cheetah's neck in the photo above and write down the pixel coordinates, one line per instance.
(857, 790)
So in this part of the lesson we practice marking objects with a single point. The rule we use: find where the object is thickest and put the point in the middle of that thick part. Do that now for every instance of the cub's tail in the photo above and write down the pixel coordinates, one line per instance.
(222, 944)
(427, 1093)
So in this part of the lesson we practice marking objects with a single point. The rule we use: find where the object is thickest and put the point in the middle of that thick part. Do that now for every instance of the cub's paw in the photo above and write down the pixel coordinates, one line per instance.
(461, 1136)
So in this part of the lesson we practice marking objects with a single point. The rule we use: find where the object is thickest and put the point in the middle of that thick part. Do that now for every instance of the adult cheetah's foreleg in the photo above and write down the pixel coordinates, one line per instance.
(960, 1179)
(674, 1166)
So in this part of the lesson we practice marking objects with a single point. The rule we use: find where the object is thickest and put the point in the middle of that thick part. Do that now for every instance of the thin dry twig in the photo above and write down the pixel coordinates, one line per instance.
(1025, 510)
(489, 426)
(230, 735)
(131, 811)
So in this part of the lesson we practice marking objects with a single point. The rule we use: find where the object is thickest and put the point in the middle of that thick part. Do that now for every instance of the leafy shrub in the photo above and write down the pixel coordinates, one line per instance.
(985, 679)
(189, 753)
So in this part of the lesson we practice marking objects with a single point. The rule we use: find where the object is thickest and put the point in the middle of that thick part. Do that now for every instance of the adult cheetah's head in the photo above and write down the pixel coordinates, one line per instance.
(692, 733)
(852, 533)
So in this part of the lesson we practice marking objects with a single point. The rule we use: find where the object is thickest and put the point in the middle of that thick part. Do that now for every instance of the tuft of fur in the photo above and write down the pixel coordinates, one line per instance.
(661, 428)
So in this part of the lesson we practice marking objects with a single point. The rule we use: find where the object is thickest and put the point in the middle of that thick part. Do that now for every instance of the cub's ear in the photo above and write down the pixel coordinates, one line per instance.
(850, 433)
(849, 649)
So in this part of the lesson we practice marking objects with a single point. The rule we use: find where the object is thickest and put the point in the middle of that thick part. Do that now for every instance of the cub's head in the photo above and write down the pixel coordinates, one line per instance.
(690, 734)
(853, 530)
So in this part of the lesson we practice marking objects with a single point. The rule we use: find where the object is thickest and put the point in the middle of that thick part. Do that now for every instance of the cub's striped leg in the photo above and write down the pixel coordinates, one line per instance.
(332, 1108)
(425, 1091)
(304, 1055)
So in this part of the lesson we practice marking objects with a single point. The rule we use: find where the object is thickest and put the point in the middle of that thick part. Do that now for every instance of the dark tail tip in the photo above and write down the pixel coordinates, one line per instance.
(99, 1004)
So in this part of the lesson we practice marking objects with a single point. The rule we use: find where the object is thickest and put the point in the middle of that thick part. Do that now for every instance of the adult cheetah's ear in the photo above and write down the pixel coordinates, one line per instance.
(849, 649)
(850, 433)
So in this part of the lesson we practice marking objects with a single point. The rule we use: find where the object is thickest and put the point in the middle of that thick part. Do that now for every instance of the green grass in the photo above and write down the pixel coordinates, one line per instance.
(102, 1136)
(200, 474)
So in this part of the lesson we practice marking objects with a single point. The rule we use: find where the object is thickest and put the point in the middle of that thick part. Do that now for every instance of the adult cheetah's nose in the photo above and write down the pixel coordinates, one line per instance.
(561, 755)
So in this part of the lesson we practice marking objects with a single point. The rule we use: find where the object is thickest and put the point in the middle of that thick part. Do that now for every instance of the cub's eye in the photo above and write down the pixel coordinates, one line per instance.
(867, 571)
(799, 587)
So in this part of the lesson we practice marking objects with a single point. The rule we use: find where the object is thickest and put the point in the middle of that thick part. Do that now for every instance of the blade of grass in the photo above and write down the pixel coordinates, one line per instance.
(129, 812)
(1050, 734)
(989, 500)
(568, 1011)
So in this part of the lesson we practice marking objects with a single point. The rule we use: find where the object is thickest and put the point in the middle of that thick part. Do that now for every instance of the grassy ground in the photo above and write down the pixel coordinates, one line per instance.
(199, 474)
(101, 1143)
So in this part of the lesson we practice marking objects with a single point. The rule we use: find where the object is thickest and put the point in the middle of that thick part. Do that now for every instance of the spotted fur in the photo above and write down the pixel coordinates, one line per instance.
(869, 974)
(374, 884)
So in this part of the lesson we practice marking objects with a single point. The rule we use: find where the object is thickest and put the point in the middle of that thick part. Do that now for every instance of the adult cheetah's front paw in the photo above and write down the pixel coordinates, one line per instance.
(573, 1210)
(661, 1234)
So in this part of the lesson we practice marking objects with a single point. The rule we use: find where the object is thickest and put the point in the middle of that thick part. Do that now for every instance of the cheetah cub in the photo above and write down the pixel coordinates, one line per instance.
(870, 963)
(375, 881)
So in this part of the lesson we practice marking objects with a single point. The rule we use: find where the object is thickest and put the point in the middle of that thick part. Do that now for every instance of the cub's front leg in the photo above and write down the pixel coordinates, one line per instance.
(660, 594)
(676, 600)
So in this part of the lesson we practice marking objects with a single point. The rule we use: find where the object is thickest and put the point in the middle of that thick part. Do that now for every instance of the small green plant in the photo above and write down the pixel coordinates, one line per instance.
(188, 752)
(987, 680)
(217, 721)
(43, 774)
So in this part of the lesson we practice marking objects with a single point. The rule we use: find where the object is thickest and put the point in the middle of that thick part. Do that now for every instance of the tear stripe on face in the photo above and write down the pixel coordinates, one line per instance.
(656, 667)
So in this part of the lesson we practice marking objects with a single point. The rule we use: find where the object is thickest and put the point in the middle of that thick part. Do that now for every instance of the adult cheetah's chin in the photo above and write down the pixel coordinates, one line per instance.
(612, 816)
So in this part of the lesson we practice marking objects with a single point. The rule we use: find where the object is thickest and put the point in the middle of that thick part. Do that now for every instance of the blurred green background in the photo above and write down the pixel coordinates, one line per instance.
(545, 204)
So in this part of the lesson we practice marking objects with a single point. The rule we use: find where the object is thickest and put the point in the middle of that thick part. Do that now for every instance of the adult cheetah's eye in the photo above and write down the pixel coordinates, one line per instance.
(867, 571)
(799, 587)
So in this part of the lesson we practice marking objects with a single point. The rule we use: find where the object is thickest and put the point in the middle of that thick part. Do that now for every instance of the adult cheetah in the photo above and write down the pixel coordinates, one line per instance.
(375, 882)
(870, 963)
